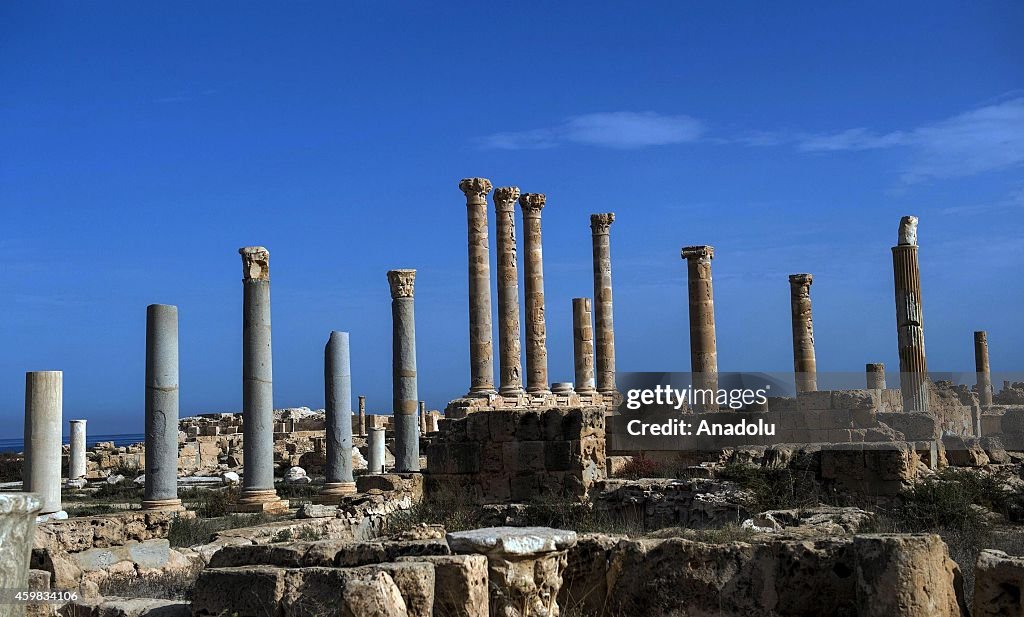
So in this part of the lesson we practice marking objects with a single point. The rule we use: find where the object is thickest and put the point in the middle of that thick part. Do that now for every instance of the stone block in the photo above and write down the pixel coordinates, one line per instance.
(477, 426)
(835, 419)
(245, 592)
(552, 425)
(503, 424)
(529, 428)
(814, 401)
(558, 455)
(495, 487)
(531, 456)
(460, 585)
(998, 585)
(854, 399)
(906, 574)
(523, 486)
(492, 457)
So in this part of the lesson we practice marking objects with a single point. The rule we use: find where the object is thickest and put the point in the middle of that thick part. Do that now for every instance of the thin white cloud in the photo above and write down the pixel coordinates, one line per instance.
(616, 129)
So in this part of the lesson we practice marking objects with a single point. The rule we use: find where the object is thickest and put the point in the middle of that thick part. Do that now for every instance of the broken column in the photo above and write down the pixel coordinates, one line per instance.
(481, 347)
(258, 493)
(703, 350)
(583, 345)
(76, 458)
(604, 330)
(41, 469)
(338, 419)
(803, 332)
(17, 533)
(423, 417)
(909, 318)
(161, 491)
(875, 373)
(511, 367)
(362, 416)
(982, 367)
(407, 443)
(375, 459)
(536, 328)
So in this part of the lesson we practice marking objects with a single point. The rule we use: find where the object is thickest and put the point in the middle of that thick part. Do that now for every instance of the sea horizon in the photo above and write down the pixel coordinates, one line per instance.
(119, 439)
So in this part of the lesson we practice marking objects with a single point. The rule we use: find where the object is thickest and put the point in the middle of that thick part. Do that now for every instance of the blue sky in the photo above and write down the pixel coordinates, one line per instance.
(144, 143)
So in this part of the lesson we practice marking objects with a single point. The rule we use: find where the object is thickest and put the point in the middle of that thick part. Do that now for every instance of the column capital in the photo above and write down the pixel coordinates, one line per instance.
(402, 283)
(532, 203)
(505, 198)
(255, 263)
(476, 189)
(801, 279)
(601, 223)
(702, 252)
(908, 231)
(77, 421)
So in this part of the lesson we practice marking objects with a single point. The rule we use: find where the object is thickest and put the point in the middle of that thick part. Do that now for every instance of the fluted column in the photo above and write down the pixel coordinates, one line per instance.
(703, 346)
(481, 347)
(984, 371)
(76, 458)
(604, 330)
(161, 492)
(44, 402)
(511, 367)
(910, 318)
(338, 418)
(362, 416)
(583, 345)
(407, 443)
(875, 376)
(536, 328)
(258, 493)
(803, 332)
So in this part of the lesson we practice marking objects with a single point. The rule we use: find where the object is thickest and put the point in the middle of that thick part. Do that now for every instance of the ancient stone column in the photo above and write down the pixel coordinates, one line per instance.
(76, 459)
(536, 328)
(909, 318)
(432, 425)
(803, 332)
(984, 372)
(875, 373)
(362, 416)
(423, 417)
(511, 367)
(161, 491)
(375, 459)
(481, 347)
(703, 347)
(583, 345)
(17, 533)
(258, 493)
(604, 330)
(407, 443)
(44, 402)
(338, 417)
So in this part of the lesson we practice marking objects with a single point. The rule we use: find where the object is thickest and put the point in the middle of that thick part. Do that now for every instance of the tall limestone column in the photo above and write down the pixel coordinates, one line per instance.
(910, 318)
(44, 401)
(511, 367)
(481, 347)
(875, 375)
(76, 459)
(161, 492)
(803, 332)
(407, 442)
(258, 493)
(338, 418)
(604, 331)
(423, 417)
(583, 345)
(703, 346)
(362, 416)
(984, 371)
(536, 328)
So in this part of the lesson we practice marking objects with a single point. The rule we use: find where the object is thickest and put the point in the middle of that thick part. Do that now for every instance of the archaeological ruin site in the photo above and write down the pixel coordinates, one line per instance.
(898, 495)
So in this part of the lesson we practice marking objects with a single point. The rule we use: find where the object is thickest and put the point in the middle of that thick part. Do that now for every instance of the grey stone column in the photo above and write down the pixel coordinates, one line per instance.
(703, 345)
(910, 318)
(423, 418)
(17, 533)
(511, 366)
(875, 374)
(804, 364)
(481, 346)
(583, 345)
(161, 492)
(44, 401)
(258, 493)
(407, 442)
(604, 329)
(375, 450)
(77, 467)
(362, 416)
(982, 367)
(536, 326)
(338, 416)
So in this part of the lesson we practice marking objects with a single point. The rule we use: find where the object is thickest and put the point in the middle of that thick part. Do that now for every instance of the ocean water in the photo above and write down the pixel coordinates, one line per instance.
(124, 439)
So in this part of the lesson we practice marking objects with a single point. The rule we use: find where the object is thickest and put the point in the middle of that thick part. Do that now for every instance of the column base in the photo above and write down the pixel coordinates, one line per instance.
(59, 515)
(163, 505)
(259, 501)
(335, 492)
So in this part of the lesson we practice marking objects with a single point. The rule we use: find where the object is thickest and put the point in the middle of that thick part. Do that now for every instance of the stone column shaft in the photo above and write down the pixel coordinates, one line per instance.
(407, 443)
(481, 346)
(338, 416)
(536, 327)
(77, 467)
(982, 367)
(161, 491)
(362, 416)
(583, 345)
(803, 332)
(423, 418)
(511, 367)
(44, 401)
(909, 318)
(375, 448)
(875, 374)
(604, 329)
(703, 345)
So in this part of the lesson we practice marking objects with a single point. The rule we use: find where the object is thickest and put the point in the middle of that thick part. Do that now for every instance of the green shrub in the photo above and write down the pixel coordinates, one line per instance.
(10, 466)
(776, 489)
